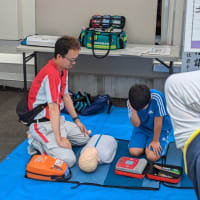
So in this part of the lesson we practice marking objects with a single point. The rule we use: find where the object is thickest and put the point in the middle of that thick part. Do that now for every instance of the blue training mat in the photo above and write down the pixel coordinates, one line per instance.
(13, 184)
(175, 157)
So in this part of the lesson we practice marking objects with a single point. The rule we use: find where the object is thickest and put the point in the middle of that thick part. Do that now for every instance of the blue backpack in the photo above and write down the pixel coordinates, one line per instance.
(85, 106)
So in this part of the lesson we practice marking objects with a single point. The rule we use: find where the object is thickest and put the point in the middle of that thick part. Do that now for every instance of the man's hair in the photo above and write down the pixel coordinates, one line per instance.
(64, 44)
(139, 96)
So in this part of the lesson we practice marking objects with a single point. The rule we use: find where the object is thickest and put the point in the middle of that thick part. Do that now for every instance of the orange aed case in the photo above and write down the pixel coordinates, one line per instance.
(44, 167)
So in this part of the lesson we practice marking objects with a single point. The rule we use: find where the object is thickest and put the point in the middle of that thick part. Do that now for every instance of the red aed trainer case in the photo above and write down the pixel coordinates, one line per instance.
(139, 168)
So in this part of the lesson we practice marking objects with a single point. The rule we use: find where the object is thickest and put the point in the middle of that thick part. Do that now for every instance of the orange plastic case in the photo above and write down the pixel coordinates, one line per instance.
(44, 167)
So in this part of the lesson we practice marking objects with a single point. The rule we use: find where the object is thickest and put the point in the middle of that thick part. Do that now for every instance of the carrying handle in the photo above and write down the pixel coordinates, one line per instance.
(93, 52)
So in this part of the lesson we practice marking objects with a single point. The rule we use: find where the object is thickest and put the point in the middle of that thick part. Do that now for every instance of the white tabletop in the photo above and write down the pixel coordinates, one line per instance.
(164, 52)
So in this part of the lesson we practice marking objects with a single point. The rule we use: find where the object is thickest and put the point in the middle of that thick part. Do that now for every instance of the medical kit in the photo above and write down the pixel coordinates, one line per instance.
(47, 168)
(104, 33)
(139, 168)
(103, 39)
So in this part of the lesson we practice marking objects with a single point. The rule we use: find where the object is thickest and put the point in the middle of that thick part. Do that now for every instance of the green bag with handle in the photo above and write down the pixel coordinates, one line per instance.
(105, 39)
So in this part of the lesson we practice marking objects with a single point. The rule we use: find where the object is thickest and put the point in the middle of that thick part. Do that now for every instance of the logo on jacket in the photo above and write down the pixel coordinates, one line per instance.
(150, 112)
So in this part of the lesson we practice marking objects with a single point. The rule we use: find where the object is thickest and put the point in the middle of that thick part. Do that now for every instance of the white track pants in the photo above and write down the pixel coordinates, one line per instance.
(43, 139)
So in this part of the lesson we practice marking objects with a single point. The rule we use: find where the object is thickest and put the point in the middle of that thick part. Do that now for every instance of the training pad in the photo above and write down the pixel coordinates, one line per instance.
(105, 176)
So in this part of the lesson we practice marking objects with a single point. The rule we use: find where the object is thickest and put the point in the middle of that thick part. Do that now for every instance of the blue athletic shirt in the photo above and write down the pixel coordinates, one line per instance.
(156, 108)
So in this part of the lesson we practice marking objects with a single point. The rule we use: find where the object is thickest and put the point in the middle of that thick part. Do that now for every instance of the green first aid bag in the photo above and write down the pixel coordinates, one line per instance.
(104, 39)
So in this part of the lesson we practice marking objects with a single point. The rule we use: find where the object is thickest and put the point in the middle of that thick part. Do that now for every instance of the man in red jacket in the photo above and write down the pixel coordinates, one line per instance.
(50, 133)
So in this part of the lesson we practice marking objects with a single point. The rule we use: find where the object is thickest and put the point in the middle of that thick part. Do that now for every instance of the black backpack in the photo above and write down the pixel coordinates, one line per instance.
(84, 105)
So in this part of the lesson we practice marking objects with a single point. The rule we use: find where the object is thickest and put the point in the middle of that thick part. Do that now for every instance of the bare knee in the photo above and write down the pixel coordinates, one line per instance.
(136, 151)
(152, 156)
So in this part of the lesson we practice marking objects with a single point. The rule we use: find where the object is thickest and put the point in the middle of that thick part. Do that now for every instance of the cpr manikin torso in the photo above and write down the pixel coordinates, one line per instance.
(100, 149)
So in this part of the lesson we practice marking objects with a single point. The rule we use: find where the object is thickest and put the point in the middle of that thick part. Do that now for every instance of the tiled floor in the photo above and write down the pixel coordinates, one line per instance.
(12, 132)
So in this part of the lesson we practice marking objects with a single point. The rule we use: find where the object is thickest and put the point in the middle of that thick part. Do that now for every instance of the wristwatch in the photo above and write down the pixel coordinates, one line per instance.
(75, 118)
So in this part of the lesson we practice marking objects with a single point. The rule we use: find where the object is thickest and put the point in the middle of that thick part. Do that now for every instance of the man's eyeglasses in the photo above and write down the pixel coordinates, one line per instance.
(72, 61)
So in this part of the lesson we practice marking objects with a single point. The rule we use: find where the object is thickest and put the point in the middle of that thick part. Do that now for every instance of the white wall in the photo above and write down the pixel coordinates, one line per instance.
(9, 20)
(17, 19)
(28, 17)
(173, 19)
(66, 17)
(59, 17)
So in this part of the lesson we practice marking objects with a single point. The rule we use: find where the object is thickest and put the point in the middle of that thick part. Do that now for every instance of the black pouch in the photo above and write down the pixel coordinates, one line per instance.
(26, 117)
(164, 172)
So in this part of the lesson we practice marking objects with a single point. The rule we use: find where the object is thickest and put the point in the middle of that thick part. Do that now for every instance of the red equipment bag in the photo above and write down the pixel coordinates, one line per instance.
(139, 168)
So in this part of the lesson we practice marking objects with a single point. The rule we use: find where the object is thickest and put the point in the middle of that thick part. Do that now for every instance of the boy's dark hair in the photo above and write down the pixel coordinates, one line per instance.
(139, 96)
(64, 44)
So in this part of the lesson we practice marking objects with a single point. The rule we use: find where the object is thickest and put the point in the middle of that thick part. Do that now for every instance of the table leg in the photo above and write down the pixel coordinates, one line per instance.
(35, 60)
(25, 60)
(170, 66)
(24, 71)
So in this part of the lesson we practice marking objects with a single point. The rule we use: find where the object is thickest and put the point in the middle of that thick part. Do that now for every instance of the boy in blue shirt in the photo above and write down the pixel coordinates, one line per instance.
(149, 116)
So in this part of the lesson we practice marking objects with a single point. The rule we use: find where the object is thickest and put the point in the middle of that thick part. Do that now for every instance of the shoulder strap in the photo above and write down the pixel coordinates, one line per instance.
(109, 104)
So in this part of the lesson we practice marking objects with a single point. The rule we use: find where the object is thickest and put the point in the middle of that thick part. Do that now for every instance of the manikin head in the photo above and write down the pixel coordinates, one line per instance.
(88, 159)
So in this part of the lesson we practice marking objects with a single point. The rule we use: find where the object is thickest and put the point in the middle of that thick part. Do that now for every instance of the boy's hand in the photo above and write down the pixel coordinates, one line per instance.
(129, 105)
(157, 149)
(135, 120)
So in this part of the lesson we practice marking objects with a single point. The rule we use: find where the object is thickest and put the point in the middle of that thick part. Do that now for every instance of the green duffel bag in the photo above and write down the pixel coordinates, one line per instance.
(97, 38)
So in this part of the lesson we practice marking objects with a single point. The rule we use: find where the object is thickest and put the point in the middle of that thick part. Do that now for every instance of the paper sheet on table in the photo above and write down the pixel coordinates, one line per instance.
(138, 51)
(159, 51)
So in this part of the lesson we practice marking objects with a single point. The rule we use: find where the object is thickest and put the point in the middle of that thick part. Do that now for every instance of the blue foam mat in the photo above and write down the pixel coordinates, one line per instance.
(14, 186)
(116, 124)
